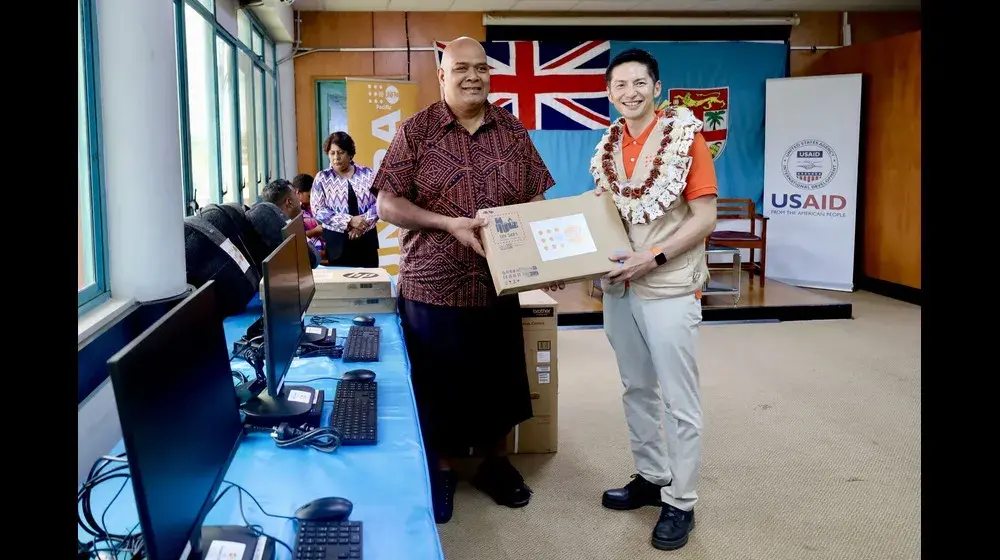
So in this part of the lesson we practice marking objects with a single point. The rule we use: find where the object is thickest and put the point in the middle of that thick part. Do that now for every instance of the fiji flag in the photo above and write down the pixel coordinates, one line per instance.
(724, 85)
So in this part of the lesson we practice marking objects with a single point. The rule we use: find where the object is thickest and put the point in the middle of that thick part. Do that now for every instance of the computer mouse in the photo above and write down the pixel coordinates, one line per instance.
(364, 320)
(359, 375)
(325, 509)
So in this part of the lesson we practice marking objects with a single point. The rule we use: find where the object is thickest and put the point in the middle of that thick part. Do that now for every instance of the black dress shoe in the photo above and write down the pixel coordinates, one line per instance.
(501, 481)
(637, 493)
(443, 494)
(672, 529)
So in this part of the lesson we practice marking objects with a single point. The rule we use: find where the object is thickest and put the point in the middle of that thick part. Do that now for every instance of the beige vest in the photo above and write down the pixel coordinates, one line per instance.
(682, 275)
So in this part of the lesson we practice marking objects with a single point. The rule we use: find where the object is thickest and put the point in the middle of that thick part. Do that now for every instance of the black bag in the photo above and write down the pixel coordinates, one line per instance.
(211, 254)
(231, 219)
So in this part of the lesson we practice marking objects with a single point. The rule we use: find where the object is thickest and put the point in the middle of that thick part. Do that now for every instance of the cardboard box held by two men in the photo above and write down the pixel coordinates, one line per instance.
(537, 244)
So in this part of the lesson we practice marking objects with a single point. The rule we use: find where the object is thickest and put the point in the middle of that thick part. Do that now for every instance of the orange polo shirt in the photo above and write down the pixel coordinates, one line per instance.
(701, 180)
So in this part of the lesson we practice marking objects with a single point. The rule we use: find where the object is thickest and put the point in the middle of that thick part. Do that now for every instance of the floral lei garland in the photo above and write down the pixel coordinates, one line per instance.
(668, 176)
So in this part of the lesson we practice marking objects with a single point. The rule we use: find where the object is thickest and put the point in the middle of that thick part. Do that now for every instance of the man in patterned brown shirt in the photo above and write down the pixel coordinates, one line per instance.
(465, 344)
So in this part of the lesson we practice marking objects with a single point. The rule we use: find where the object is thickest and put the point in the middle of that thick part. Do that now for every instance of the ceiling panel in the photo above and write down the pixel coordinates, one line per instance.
(482, 5)
(545, 5)
(607, 5)
(421, 5)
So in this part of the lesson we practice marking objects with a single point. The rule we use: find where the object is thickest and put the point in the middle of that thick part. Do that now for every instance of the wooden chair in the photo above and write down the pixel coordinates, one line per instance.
(743, 209)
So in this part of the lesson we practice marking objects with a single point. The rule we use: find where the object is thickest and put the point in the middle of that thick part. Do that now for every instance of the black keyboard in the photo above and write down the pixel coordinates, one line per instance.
(355, 412)
(362, 344)
(328, 540)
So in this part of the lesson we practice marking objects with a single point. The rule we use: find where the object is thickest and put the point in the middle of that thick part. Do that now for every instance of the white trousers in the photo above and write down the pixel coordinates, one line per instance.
(655, 343)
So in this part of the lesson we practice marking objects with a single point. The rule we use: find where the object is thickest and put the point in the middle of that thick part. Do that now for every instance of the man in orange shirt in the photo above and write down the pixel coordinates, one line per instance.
(659, 171)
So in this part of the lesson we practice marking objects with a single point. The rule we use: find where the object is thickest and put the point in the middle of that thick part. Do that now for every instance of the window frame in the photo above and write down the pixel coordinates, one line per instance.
(97, 292)
(257, 62)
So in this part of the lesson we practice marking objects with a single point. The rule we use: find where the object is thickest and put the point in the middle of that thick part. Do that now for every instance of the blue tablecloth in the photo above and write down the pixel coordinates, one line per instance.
(388, 482)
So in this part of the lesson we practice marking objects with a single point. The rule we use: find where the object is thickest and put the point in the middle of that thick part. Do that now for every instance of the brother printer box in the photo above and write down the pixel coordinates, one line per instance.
(539, 434)
(536, 244)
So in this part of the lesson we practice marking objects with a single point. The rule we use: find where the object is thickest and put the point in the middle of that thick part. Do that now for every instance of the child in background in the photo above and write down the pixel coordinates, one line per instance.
(314, 232)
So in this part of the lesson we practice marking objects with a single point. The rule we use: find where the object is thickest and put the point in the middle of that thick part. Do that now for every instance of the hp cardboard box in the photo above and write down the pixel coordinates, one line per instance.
(534, 245)
(539, 434)
(352, 283)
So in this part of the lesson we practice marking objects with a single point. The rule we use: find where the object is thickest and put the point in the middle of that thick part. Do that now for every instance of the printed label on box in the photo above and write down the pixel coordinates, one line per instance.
(506, 230)
(544, 357)
(543, 378)
(543, 369)
(225, 550)
(515, 276)
(314, 330)
(298, 396)
(563, 237)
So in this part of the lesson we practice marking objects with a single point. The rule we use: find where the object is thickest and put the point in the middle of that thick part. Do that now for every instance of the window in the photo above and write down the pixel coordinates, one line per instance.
(91, 287)
(229, 106)
(272, 130)
(248, 144)
(263, 172)
(226, 60)
(202, 115)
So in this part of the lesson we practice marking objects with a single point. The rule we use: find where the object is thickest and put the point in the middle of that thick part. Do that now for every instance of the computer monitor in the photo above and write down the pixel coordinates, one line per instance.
(307, 288)
(181, 426)
(282, 335)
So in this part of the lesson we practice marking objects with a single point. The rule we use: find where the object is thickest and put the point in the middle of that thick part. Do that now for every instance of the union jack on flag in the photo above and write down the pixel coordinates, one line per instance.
(549, 86)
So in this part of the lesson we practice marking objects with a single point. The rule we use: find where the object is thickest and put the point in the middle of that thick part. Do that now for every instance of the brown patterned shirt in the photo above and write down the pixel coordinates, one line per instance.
(436, 164)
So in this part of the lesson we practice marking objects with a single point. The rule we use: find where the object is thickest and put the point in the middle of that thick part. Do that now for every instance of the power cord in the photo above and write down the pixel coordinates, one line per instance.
(256, 529)
(310, 350)
(285, 435)
(103, 540)
(319, 320)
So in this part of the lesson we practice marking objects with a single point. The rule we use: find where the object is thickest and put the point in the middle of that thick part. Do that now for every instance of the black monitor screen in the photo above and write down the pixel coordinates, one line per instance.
(307, 288)
(282, 313)
(179, 417)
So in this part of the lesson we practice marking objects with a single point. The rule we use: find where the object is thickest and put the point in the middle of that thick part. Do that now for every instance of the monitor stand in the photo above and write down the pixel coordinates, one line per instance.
(231, 541)
(297, 405)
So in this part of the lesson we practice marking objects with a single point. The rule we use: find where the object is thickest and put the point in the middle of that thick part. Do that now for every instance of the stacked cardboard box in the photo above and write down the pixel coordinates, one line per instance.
(352, 290)
(539, 434)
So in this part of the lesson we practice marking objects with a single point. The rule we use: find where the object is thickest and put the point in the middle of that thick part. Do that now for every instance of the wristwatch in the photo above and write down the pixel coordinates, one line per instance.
(660, 259)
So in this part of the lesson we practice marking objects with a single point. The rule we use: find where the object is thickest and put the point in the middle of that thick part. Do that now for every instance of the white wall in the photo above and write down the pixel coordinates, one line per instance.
(286, 99)
(142, 178)
(225, 14)
(141, 146)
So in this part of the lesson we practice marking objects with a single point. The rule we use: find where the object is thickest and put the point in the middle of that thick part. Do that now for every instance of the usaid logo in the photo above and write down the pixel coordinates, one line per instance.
(809, 164)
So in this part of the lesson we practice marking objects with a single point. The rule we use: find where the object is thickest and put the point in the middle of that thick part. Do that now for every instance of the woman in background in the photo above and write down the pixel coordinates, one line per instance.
(314, 232)
(342, 203)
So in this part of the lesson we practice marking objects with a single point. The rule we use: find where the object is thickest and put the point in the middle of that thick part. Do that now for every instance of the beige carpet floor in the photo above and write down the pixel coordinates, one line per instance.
(811, 450)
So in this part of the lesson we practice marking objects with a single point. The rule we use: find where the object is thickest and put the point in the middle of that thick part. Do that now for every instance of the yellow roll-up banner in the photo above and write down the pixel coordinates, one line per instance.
(375, 109)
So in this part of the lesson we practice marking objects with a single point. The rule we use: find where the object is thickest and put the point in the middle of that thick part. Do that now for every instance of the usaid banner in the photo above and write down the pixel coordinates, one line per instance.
(811, 141)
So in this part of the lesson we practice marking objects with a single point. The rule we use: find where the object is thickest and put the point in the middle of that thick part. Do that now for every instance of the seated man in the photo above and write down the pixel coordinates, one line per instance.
(281, 198)
(280, 193)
